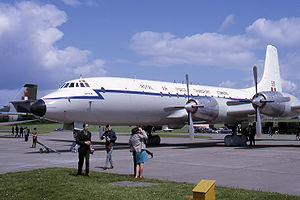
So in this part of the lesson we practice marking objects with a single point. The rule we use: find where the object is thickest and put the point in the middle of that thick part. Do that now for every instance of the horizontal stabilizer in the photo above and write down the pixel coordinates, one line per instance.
(16, 122)
(14, 113)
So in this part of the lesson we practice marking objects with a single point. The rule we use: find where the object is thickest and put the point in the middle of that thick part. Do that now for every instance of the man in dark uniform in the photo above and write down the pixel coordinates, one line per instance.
(21, 131)
(17, 131)
(84, 140)
(252, 135)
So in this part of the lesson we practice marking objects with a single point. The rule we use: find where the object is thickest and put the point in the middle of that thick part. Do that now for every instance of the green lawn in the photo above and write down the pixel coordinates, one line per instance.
(60, 183)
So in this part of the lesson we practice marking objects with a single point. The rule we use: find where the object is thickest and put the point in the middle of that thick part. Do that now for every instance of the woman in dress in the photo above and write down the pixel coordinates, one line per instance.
(137, 144)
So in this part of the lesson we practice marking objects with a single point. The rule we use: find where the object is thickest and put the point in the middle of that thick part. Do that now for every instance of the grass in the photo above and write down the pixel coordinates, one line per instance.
(60, 183)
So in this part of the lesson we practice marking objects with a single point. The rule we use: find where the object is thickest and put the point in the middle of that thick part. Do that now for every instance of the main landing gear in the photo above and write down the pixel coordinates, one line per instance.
(152, 139)
(234, 139)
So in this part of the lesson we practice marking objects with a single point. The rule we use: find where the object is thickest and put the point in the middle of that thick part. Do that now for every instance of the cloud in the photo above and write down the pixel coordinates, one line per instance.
(229, 20)
(73, 3)
(288, 86)
(95, 68)
(29, 33)
(7, 95)
(76, 3)
(228, 84)
(285, 32)
(207, 49)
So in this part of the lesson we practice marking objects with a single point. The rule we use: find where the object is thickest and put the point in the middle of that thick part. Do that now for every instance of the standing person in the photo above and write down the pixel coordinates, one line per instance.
(252, 135)
(21, 131)
(84, 140)
(17, 131)
(270, 131)
(298, 131)
(110, 138)
(13, 130)
(26, 134)
(132, 149)
(34, 137)
(137, 141)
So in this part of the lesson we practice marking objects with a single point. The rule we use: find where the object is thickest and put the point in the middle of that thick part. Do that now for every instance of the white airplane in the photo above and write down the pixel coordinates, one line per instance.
(124, 101)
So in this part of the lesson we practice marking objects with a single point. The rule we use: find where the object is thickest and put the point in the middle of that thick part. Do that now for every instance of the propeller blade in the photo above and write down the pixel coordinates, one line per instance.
(255, 78)
(170, 109)
(266, 101)
(283, 99)
(191, 126)
(277, 100)
(240, 102)
(197, 106)
(258, 123)
(187, 85)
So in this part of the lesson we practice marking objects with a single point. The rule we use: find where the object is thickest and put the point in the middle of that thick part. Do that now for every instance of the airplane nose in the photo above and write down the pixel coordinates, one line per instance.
(38, 108)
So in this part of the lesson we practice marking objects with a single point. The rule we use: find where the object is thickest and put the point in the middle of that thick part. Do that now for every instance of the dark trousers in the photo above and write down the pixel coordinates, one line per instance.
(252, 141)
(134, 163)
(84, 155)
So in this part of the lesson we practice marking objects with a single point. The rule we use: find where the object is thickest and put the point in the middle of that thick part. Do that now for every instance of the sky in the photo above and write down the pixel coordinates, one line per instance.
(216, 42)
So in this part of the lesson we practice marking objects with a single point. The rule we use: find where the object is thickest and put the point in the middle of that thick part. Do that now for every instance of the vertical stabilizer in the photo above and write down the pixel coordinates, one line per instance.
(271, 80)
(28, 92)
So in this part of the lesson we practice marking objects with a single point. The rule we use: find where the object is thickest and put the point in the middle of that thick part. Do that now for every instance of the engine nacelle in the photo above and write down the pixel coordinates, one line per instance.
(275, 108)
(210, 109)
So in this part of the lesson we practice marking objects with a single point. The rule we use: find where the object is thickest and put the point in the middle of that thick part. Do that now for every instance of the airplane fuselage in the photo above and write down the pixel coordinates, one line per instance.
(122, 101)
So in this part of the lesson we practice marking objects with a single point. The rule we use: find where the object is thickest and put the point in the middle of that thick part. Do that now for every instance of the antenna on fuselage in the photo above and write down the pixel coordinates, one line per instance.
(80, 76)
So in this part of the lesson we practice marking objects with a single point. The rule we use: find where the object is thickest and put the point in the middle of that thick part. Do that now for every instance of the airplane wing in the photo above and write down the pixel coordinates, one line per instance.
(16, 122)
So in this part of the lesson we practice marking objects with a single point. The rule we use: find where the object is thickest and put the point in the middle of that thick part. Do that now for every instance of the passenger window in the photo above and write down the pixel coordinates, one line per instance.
(66, 85)
(87, 85)
(77, 85)
(71, 85)
(81, 85)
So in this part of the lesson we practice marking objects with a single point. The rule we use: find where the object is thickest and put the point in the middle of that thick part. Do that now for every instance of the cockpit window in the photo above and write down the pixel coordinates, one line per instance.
(87, 85)
(81, 85)
(63, 85)
(67, 84)
(71, 85)
(77, 85)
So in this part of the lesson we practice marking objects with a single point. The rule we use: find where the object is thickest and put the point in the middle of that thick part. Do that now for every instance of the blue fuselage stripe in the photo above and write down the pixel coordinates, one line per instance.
(100, 97)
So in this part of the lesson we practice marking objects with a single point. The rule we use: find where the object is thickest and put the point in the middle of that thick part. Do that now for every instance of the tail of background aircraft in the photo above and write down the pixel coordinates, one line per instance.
(25, 96)
(28, 92)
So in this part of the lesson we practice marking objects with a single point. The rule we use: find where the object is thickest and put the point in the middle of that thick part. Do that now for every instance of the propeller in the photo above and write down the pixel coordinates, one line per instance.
(257, 103)
(191, 106)
(190, 117)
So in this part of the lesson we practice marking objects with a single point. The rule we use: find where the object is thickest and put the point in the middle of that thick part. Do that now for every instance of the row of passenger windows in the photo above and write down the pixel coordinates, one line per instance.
(72, 84)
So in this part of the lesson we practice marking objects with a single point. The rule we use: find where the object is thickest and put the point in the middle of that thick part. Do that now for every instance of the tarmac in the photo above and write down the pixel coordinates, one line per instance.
(273, 165)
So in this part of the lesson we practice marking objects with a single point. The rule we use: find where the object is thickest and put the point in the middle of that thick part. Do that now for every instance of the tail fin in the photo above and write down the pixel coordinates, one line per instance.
(28, 92)
(271, 80)
(25, 96)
